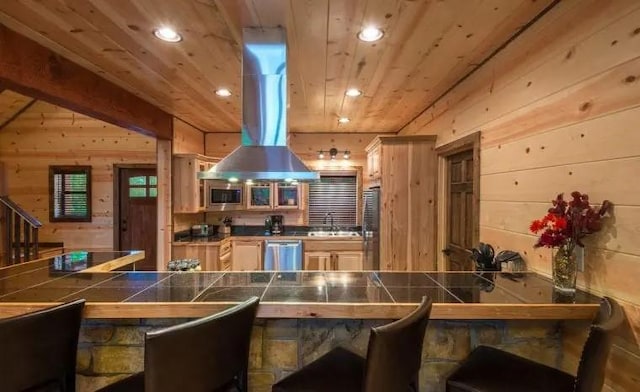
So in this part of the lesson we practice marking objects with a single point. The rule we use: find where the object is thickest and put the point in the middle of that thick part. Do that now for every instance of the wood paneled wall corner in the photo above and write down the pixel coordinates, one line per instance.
(559, 109)
(187, 139)
(46, 135)
(165, 216)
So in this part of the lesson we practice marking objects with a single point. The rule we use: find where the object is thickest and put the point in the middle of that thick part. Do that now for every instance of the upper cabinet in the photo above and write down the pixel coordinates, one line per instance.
(274, 196)
(374, 160)
(188, 190)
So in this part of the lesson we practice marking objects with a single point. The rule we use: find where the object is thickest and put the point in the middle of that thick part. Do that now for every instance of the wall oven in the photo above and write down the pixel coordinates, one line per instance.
(224, 196)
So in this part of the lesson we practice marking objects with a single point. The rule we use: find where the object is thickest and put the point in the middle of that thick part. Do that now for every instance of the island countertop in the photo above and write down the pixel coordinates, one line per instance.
(302, 294)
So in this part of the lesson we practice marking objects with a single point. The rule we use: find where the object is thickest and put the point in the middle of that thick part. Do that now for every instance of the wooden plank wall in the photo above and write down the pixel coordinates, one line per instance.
(558, 110)
(49, 135)
(187, 139)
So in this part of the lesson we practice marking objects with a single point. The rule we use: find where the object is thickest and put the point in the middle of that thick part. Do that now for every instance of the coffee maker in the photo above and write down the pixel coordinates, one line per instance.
(273, 224)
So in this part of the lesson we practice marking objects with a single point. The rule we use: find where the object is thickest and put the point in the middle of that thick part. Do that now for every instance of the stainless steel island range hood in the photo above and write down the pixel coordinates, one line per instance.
(264, 154)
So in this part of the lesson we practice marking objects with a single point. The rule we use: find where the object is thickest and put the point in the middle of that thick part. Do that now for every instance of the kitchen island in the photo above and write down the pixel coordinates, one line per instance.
(304, 314)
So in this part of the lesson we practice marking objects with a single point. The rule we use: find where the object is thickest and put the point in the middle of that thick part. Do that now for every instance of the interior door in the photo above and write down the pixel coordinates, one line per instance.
(460, 211)
(138, 189)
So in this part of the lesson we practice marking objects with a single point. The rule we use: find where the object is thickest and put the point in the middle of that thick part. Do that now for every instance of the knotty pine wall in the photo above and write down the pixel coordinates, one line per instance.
(49, 135)
(559, 110)
(306, 146)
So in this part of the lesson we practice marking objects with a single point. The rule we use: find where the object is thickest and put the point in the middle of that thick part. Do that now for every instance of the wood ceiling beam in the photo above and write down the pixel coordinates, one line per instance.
(17, 113)
(29, 68)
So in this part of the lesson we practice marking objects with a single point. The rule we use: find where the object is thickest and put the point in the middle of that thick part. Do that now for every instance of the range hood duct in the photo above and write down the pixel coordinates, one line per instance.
(264, 154)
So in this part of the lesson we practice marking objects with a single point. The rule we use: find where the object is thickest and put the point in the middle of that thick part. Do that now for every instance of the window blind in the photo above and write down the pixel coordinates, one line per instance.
(335, 194)
(70, 194)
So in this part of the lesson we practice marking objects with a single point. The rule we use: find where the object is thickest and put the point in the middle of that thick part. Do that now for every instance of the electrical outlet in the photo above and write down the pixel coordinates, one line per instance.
(580, 258)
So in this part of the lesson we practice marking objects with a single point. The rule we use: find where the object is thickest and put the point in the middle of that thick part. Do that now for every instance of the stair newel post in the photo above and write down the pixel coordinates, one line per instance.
(7, 235)
(36, 250)
(27, 241)
(16, 238)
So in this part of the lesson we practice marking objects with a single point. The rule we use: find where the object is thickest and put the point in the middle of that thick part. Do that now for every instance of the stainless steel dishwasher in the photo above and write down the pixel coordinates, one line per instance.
(283, 255)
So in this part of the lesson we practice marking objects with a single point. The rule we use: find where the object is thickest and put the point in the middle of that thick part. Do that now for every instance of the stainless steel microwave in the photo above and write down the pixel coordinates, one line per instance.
(224, 196)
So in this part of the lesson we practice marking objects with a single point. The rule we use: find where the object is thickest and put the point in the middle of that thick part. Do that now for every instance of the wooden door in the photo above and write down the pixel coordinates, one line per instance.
(317, 261)
(138, 224)
(460, 211)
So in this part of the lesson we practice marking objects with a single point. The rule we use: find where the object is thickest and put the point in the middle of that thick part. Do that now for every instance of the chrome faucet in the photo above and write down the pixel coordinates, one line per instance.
(328, 215)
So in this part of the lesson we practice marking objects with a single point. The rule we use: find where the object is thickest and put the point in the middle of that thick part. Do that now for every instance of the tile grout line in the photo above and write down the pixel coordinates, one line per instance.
(42, 283)
(384, 286)
(445, 289)
(208, 287)
(25, 272)
(268, 285)
(90, 287)
(147, 288)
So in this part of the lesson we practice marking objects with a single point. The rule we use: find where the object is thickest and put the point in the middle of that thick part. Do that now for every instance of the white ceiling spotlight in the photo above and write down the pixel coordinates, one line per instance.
(353, 92)
(223, 92)
(343, 120)
(167, 34)
(370, 34)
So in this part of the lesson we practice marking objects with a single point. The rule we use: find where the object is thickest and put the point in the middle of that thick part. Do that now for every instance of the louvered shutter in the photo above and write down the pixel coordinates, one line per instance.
(336, 194)
(70, 189)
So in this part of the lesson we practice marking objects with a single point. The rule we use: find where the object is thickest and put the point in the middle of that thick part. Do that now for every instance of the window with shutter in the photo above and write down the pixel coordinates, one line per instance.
(70, 193)
(336, 194)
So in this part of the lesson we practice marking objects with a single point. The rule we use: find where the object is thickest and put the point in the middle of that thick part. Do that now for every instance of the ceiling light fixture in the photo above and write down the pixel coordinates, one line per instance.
(333, 153)
(370, 34)
(343, 120)
(167, 34)
(223, 92)
(353, 92)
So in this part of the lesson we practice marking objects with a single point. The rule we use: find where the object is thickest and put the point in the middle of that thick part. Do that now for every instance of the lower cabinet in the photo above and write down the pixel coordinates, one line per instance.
(333, 261)
(246, 255)
(206, 254)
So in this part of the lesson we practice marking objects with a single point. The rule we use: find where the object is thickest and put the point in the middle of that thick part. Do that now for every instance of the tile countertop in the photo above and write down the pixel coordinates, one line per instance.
(304, 294)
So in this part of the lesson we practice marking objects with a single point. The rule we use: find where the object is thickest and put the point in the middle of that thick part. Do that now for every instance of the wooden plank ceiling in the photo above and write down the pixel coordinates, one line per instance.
(427, 47)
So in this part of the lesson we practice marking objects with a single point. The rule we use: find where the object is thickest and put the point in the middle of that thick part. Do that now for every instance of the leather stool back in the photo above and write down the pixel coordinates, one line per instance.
(395, 352)
(38, 349)
(593, 361)
(207, 354)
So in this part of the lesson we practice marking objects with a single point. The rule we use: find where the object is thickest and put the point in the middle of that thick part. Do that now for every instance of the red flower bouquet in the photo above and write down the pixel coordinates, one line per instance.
(566, 223)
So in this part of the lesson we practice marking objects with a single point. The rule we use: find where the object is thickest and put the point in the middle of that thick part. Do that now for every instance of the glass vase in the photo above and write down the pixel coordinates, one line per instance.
(565, 271)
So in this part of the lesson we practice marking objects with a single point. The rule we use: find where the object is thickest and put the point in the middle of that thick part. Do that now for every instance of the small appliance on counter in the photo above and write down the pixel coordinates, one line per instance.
(203, 230)
(273, 224)
(225, 226)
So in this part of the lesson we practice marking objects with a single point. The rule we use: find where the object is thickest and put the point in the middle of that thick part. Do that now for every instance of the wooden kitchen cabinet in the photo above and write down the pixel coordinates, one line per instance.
(317, 261)
(275, 196)
(348, 261)
(405, 169)
(246, 255)
(206, 254)
(189, 191)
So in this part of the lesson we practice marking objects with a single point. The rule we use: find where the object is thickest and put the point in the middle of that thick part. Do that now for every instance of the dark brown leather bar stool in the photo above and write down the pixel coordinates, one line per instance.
(490, 369)
(392, 364)
(38, 349)
(208, 354)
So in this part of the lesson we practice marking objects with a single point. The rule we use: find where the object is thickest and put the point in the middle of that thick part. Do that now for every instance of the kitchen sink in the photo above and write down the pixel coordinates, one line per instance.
(320, 233)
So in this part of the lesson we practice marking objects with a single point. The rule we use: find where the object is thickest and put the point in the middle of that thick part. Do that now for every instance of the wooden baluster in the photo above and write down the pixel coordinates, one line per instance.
(7, 236)
(16, 238)
(36, 251)
(27, 239)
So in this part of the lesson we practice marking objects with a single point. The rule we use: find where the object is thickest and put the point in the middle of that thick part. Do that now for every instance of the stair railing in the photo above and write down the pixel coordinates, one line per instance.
(20, 233)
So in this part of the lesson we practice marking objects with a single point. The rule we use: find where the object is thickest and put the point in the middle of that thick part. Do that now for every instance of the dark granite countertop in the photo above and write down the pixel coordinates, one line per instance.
(368, 294)
(259, 231)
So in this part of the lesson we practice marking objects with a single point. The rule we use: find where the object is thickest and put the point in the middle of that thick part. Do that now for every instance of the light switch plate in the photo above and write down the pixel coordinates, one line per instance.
(580, 258)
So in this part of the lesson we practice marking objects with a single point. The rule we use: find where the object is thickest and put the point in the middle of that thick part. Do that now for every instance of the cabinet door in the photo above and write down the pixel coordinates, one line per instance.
(287, 196)
(211, 262)
(348, 261)
(259, 196)
(246, 255)
(317, 261)
(375, 162)
(185, 185)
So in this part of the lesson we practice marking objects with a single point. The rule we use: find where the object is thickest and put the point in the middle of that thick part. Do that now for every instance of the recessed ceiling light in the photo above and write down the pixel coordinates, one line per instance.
(223, 92)
(343, 120)
(167, 34)
(353, 92)
(370, 34)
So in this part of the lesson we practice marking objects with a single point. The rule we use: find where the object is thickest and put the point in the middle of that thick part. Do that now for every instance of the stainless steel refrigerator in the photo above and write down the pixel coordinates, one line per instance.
(371, 229)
